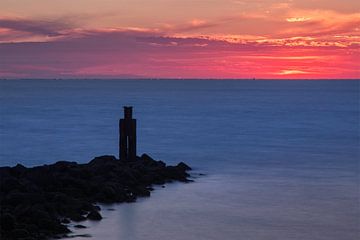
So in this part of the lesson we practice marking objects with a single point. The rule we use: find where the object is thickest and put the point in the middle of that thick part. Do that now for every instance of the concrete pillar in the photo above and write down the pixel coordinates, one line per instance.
(127, 141)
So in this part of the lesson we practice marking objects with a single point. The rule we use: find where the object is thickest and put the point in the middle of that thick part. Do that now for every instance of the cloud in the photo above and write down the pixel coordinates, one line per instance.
(292, 72)
(38, 27)
(298, 19)
(27, 30)
(112, 53)
(192, 25)
(53, 49)
(344, 6)
(318, 24)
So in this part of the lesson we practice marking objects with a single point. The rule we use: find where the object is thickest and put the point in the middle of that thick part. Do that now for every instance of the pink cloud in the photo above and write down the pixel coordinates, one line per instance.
(162, 53)
(49, 28)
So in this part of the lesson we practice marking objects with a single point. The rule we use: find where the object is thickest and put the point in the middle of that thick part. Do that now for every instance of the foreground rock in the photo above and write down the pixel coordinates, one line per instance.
(37, 203)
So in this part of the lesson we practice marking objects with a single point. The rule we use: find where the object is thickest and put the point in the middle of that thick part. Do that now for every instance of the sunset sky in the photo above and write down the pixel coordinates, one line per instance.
(179, 39)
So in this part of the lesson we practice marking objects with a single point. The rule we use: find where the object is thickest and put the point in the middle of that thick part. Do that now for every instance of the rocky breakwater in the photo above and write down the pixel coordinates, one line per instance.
(39, 202)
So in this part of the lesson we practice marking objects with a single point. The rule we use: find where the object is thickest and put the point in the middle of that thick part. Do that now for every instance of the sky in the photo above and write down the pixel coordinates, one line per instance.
(289, 39)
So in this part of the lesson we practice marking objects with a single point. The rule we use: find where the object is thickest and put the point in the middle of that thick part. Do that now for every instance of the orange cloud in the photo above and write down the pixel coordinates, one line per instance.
(298, 19)
(274, 41)
(292, 72)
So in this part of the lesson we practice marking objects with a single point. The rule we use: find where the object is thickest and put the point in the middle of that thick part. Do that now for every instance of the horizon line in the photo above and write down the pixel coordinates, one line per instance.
(186, 79)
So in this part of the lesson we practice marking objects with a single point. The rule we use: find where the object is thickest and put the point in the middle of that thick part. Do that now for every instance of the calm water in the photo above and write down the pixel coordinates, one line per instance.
(281, 157)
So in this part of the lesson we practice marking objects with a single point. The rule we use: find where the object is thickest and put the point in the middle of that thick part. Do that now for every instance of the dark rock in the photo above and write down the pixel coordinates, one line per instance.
(175, 173)
(95, 216)
(141, 191)
(146, 157)
(79, 226)
(18, 170)
(183, 166)
(20, 233)
(109, 193)
(102, 160)
(7, 222)
(77, 217)
(11, 184)
(63, 165)
(65, 221)
(37, 202)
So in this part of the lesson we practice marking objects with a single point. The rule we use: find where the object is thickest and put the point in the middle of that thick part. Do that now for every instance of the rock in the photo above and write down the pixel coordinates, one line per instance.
(106, 159)
(65, 221)
(14, 198)
(63, 165)
(141, 191)
(11, 184)
(79, 226)
(175, 173)
(7, 222)
(20, 233)
(95, 216)
(78, 218)
(18, 170)
(146, 157)
(183, 166)
(109, 193)
(36, 202)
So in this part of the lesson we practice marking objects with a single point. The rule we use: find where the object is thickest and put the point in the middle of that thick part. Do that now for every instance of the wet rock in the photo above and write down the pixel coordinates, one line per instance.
(146, 158)
(79, 226)
(183, 166)
(20, 233)
(7, 222)
(94, 215)
(65, 221)
(18, 170)
(37, 202)
(76, 217)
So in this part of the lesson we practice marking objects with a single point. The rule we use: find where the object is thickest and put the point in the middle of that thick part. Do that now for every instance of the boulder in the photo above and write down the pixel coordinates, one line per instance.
(19, 233)
(36, 202)
(94, 215)
(7, 222)
(183, 166)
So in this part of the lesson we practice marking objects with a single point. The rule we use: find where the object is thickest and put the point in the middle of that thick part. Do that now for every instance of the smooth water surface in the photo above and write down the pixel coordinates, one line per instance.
(280, 157)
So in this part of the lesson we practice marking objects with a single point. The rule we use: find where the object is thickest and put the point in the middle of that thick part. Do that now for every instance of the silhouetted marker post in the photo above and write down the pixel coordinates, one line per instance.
(127, 141)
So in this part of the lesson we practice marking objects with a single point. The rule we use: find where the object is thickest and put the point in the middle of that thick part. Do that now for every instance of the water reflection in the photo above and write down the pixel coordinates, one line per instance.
(254, 205)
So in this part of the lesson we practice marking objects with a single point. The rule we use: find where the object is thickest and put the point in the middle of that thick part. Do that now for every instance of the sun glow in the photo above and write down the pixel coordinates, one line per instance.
(292, 72)
(240, 39)
(298, 19)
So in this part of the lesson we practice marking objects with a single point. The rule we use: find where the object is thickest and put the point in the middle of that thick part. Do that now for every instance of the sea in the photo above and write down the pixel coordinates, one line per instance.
(271, 159)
